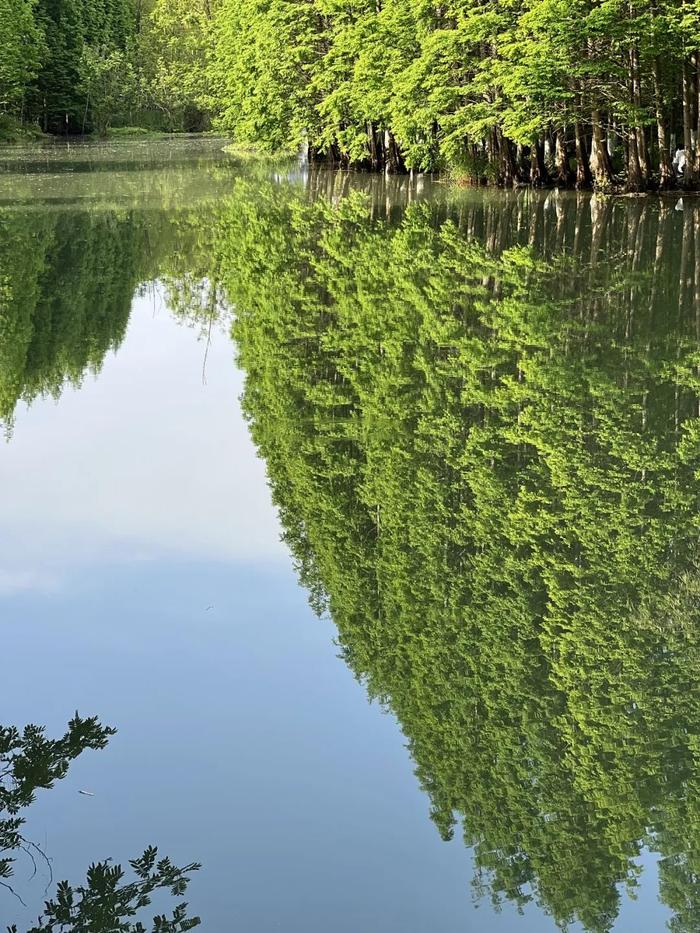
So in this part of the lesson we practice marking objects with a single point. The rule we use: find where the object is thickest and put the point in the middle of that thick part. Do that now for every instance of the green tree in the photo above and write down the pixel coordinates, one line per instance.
(77, 34)
(58, 100)
(174, 55)
(109, 81)
(21, 48)
(511, 92)
(262, 70)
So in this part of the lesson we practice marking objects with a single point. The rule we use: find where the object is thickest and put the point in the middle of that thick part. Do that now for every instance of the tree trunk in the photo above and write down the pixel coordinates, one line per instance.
(394, 159)
(507, 167)
(601, 167)
(637, 101)
(372, 145)
(665, 167)
(635, 179)
(583, 171)
(697, 113)
(637, 163)
(492, 155)
(563, 174)
(539, 176)
(642, 154)
(689, 172)
(610, 138)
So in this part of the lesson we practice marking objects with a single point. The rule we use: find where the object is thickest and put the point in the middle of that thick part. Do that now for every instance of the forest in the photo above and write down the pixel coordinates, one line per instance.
(584, 93)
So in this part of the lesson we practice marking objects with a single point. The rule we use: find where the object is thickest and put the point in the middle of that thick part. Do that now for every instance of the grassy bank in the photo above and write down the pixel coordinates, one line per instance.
(12, 131)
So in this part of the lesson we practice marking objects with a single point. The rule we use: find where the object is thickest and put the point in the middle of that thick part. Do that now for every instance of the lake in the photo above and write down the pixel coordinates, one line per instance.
(366, 510)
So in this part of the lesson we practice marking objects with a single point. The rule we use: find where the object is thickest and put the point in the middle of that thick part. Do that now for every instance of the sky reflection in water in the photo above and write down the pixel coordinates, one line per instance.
(142, 579)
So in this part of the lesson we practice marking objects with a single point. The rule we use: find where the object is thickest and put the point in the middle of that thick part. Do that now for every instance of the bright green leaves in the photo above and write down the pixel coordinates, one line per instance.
(265, 50)
(173, 55)
(109, 82)
(423, 85)
(21, 48)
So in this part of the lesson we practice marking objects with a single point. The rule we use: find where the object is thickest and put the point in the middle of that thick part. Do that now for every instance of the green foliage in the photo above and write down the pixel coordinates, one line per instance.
(49, 50)
(57, 99)
(77, 65)
(109, 81)
(508, 91)
(264, 50)
(12, 130)
(173, 55)
(21, 47)
(395, 84)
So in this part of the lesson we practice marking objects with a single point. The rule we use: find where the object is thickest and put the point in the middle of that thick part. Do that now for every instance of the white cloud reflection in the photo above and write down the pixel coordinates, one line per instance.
(143, 461)
(20, 581)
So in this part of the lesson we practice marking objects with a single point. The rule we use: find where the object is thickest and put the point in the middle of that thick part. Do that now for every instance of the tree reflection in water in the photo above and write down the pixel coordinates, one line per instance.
(479, 416)
(106, 902)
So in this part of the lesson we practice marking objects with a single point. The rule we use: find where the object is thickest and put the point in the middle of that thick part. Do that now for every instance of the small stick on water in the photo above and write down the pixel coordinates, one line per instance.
(13, 892)
(42, 853)
(31, 858)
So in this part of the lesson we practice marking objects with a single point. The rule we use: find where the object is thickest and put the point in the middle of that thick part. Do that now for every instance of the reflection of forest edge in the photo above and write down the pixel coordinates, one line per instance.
(481, 430)
(479, 416)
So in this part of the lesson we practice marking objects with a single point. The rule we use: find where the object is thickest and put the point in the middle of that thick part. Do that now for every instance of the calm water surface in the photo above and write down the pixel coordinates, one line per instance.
(461, 428)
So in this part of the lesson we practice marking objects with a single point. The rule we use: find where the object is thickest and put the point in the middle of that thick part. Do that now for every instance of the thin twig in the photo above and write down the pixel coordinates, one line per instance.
(206, 349)
(28, 852)
(12, 891)
(45, 857)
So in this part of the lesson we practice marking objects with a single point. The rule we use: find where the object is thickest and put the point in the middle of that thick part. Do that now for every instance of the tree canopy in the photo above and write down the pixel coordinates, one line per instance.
(531, 91)
(515, 92)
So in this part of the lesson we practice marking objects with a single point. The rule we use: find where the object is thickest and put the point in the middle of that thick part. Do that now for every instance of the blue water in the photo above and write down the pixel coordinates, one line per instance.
(142, 579)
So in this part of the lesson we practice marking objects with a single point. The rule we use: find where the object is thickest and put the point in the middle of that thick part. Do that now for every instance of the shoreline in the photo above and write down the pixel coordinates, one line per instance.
(35, 139)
